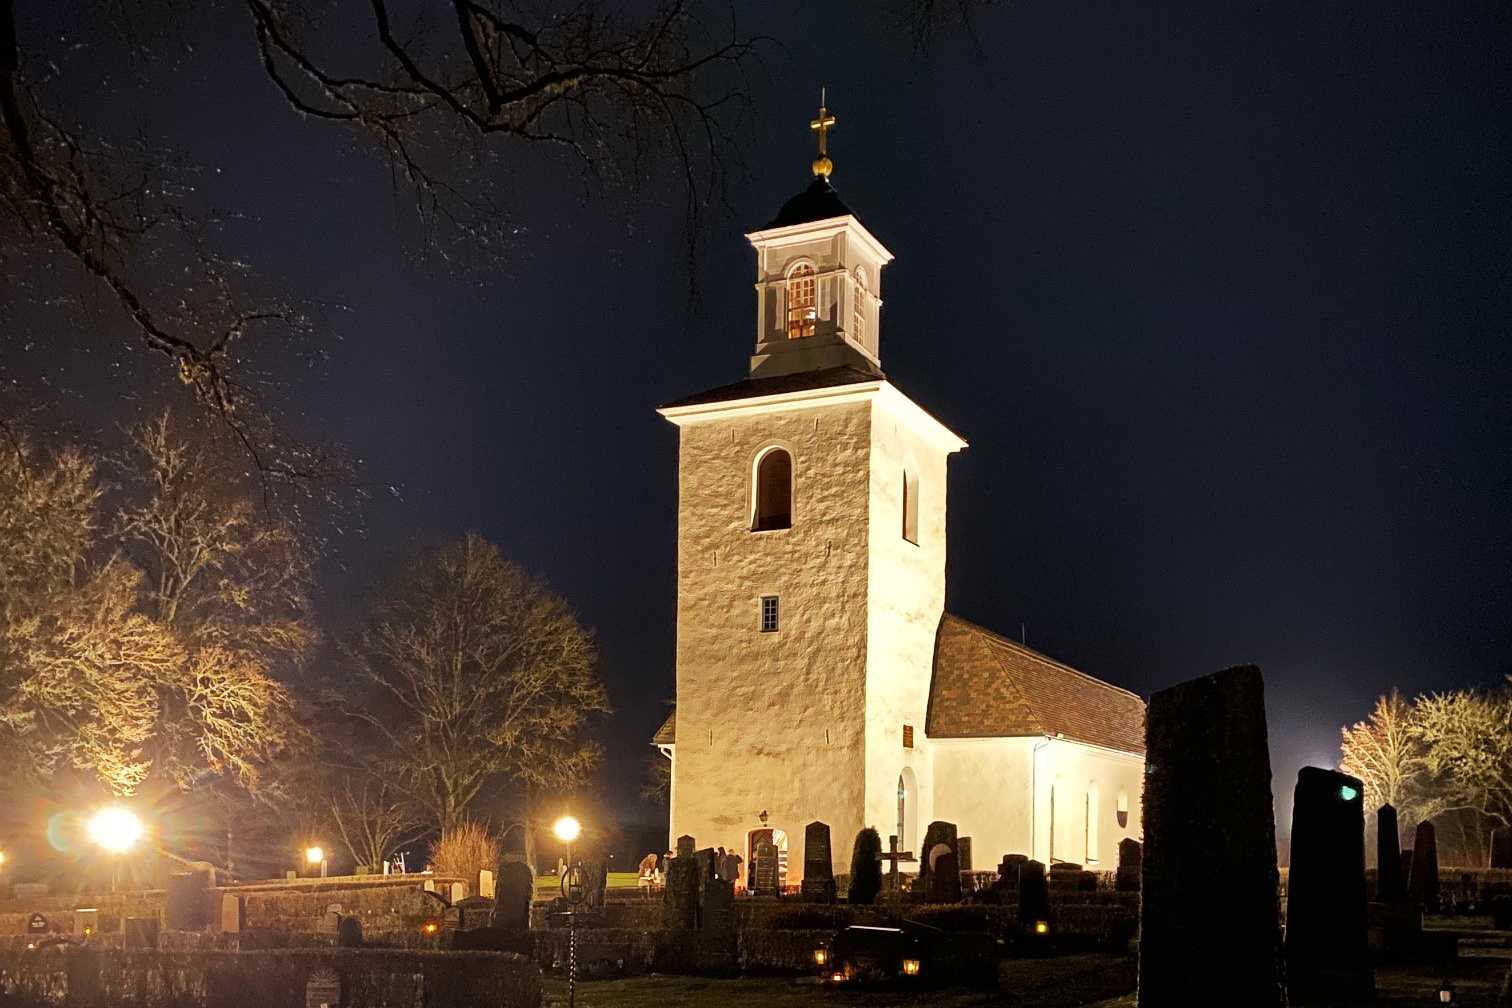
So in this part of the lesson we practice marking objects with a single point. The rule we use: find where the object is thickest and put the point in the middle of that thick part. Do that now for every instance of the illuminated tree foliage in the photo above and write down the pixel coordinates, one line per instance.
(479, 675)
(114, 664)
(1387, 754)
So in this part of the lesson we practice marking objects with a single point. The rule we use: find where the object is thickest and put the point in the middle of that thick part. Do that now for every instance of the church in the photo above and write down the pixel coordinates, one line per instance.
(819, 675)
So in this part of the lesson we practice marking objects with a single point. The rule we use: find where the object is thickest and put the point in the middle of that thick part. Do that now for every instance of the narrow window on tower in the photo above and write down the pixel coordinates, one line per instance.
(769, 614)
(911, 506)
(858, 307)
(773, 492)
(802, 301)
(1090, 837)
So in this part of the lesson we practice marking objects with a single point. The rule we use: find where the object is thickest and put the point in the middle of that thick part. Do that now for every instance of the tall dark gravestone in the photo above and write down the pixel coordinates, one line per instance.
(1210, 933)
(1130, 865)
(963, 853)
(1423, 886)
(764, 871)
(939, 834)
(818, 867)
(1033, 895)
(1501, 847)
(515, 890)
(1391, 884)
(1327, 945)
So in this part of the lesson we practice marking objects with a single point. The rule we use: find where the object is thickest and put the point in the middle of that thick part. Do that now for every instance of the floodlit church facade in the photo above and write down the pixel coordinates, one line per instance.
(819, 676)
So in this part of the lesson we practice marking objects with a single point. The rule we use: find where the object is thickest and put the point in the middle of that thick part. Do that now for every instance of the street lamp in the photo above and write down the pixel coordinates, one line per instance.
(316, 856)
(116, 831)
(567, 829)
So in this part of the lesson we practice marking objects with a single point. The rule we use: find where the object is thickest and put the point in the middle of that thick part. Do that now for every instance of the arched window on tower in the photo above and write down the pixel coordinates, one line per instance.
(802, 301)
(1090, 837)
(858, 307)
(773, 494)
(911, 506)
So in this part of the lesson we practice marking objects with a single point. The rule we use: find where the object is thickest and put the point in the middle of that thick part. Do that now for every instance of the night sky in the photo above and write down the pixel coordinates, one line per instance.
(1218, 293)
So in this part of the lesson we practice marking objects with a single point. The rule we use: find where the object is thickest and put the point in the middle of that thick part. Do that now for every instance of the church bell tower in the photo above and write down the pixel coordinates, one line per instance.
(811, 561)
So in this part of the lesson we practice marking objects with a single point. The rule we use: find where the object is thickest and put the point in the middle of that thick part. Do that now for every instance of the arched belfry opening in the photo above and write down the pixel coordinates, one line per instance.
(773, 493)
(908, 809)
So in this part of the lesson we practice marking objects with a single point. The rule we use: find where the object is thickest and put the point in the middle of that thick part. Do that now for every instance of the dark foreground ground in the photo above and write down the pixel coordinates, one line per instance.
(1099, 980)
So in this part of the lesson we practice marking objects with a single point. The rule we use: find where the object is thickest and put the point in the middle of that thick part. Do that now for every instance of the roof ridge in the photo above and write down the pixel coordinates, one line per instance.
(1027, 650)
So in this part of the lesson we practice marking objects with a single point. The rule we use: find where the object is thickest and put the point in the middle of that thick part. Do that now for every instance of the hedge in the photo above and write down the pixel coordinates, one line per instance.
(96, 978)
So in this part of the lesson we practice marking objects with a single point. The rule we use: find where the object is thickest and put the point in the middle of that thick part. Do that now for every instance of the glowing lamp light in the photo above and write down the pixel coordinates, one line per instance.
(430, 928)
(910, 967)
(837, 977)
(115, 829)
(1348, 793)
(314, 855)
(821, 956)
(1446, 993)
(567, 829)
(1041, 927)
(2, 859)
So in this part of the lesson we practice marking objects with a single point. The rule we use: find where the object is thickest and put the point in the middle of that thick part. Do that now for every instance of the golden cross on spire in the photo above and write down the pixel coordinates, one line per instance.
(822, 164)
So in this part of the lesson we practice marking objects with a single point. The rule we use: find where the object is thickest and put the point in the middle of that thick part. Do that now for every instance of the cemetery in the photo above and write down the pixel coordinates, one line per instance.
(1200, 913)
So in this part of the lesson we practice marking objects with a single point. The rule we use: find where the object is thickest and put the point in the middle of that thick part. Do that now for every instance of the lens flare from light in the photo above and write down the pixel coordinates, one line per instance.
(567, 829)
(115, 829)
(314, 855)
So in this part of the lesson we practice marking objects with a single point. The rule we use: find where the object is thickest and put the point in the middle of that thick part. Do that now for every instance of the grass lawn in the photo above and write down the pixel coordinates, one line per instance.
(550, 886)
(1098, 980)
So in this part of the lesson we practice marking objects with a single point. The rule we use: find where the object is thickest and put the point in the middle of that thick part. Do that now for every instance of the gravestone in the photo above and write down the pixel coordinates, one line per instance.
(680, 894)
(764, 875)
(719, 897)
(1423, 886)
(86, 922)
(1209, 929)
(1327, 947)
(939, 834)
(1130, 865)
(1033, 896)
(516, 890)
(945, 880)
(330, 919)
(139, 933)
(486, 884)
(429, 885)
(348, 932)
(323, 989)
(189, 896)
(1009, 870)
(963, 852)
(1501, 847)
(233, 916)
(458, 892)
(818, 869)
(475, 912)
(1391, 885)
(685, 846)
(38, 924)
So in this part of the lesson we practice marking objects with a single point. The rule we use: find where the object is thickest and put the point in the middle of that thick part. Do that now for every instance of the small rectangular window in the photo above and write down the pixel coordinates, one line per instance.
(769, 614)
(908, 736)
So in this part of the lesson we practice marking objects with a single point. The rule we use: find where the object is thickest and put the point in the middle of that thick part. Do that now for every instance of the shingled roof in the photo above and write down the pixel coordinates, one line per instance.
(986, 686)
(667, 733)
(801, 381)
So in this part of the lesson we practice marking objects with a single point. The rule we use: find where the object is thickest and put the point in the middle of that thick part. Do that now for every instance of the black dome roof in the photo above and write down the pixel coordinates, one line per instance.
(818, 202)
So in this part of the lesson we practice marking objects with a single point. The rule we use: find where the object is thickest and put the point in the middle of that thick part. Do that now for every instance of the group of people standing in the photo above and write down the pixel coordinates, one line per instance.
(726, 866)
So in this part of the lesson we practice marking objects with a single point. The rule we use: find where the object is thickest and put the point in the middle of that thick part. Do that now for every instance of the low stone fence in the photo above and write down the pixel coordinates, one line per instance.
(92, 978)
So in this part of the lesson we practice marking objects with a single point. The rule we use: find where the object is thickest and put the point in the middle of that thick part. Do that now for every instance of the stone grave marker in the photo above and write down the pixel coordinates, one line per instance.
(330, 919)
(939, 835)
(1008, 872)
(323, 989)
(486, 884)
(1327, 945)
(515, 892)
(764, 876)
(458, 892)
(38, 924)
(1391, 884)
(685, 845)
(680, 894)
(139, 933)
(818, 869)
(945, 879)
(476, 912)
(189, 897)
(1501, 847)
(1130, 865)
(1033, 896)
(963, 852)
(348, 932)
(429, 885)
(233, 917)
(1423, 885)
(1209, 930)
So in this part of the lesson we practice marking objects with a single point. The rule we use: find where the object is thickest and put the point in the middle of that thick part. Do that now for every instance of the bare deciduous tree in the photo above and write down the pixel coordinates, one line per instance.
(1389, 757)
(372, 819)
(480, 674)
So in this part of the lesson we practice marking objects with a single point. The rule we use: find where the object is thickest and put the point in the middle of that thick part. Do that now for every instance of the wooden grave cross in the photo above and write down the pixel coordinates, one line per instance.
(894, 855)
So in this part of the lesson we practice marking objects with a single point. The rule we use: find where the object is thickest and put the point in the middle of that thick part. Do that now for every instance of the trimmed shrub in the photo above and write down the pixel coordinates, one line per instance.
(866, 870)
(801, 917)
(782, 953)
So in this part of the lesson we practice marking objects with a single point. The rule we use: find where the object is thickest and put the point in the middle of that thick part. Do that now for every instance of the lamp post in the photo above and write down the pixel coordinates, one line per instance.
(116, 831)
(567, 830)
(315, 857)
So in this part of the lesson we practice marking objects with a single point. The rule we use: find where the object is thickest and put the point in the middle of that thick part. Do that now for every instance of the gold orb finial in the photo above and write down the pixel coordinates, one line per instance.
(822, 164)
